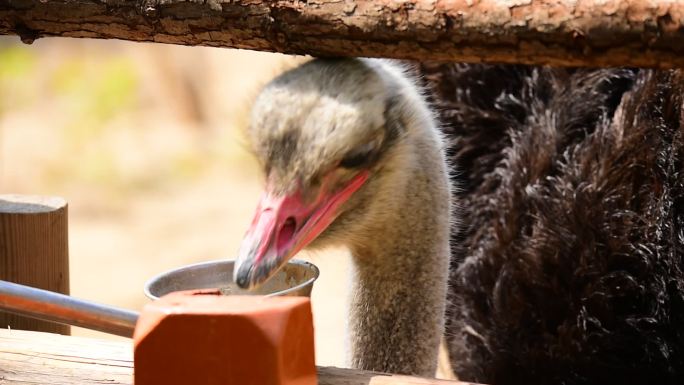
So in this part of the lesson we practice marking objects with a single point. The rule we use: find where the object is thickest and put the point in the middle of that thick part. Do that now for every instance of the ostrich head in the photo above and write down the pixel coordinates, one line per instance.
(324, 134)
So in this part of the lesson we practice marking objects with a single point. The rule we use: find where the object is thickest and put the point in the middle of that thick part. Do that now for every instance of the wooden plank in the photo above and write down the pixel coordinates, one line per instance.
(44, 358)
(34, 251)
(51, 359)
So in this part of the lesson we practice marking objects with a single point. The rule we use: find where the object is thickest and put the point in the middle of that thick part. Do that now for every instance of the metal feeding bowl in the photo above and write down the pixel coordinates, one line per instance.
(294, 279)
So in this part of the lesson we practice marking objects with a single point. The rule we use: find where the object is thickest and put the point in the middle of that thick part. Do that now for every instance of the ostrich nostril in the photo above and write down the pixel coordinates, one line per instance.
(286, 233)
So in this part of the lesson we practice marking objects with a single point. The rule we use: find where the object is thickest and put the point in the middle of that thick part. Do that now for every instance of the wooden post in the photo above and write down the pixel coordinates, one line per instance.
(34, 251)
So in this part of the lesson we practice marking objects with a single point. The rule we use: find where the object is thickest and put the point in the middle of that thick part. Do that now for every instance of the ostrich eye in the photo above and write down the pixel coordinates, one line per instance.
(358, 157)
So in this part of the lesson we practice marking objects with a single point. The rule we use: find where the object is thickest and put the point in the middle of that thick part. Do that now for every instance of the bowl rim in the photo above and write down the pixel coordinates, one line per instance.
(300, 262)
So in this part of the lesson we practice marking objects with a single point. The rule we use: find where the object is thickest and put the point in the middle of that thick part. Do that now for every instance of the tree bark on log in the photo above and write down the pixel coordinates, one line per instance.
(645, 33)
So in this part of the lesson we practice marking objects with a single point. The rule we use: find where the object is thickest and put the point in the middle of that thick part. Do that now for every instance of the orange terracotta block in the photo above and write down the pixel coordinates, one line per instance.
(200, 337)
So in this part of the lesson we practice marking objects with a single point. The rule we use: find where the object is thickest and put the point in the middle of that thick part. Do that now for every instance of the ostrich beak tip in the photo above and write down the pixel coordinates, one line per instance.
(284, 225)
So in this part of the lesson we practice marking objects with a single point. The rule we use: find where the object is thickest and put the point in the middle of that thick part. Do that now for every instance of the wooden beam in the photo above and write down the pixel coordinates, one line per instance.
(646, 33)
(34, 251)
(51, 359)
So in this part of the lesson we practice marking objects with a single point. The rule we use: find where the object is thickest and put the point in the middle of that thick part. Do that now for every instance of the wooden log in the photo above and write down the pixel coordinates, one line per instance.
(34, 251)
(42, 358)
(644, 33)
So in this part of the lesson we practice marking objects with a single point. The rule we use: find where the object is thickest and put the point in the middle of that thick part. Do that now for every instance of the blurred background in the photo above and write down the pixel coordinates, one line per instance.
(144, 142)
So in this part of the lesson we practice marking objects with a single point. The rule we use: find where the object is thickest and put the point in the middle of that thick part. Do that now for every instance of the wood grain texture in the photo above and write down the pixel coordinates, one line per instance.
(34, 251)
(50, 359)
(645, 33)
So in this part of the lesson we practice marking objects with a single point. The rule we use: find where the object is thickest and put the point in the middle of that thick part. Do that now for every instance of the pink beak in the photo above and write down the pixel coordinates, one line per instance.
(284, 225)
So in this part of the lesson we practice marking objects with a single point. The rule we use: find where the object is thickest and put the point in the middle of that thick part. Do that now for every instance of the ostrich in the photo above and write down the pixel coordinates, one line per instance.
(555, 258)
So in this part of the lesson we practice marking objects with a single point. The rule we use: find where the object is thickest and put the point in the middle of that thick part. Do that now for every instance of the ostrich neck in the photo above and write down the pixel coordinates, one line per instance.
(400, 273)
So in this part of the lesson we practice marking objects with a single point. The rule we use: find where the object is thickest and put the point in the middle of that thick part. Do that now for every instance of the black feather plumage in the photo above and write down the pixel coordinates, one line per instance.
(567, 266)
